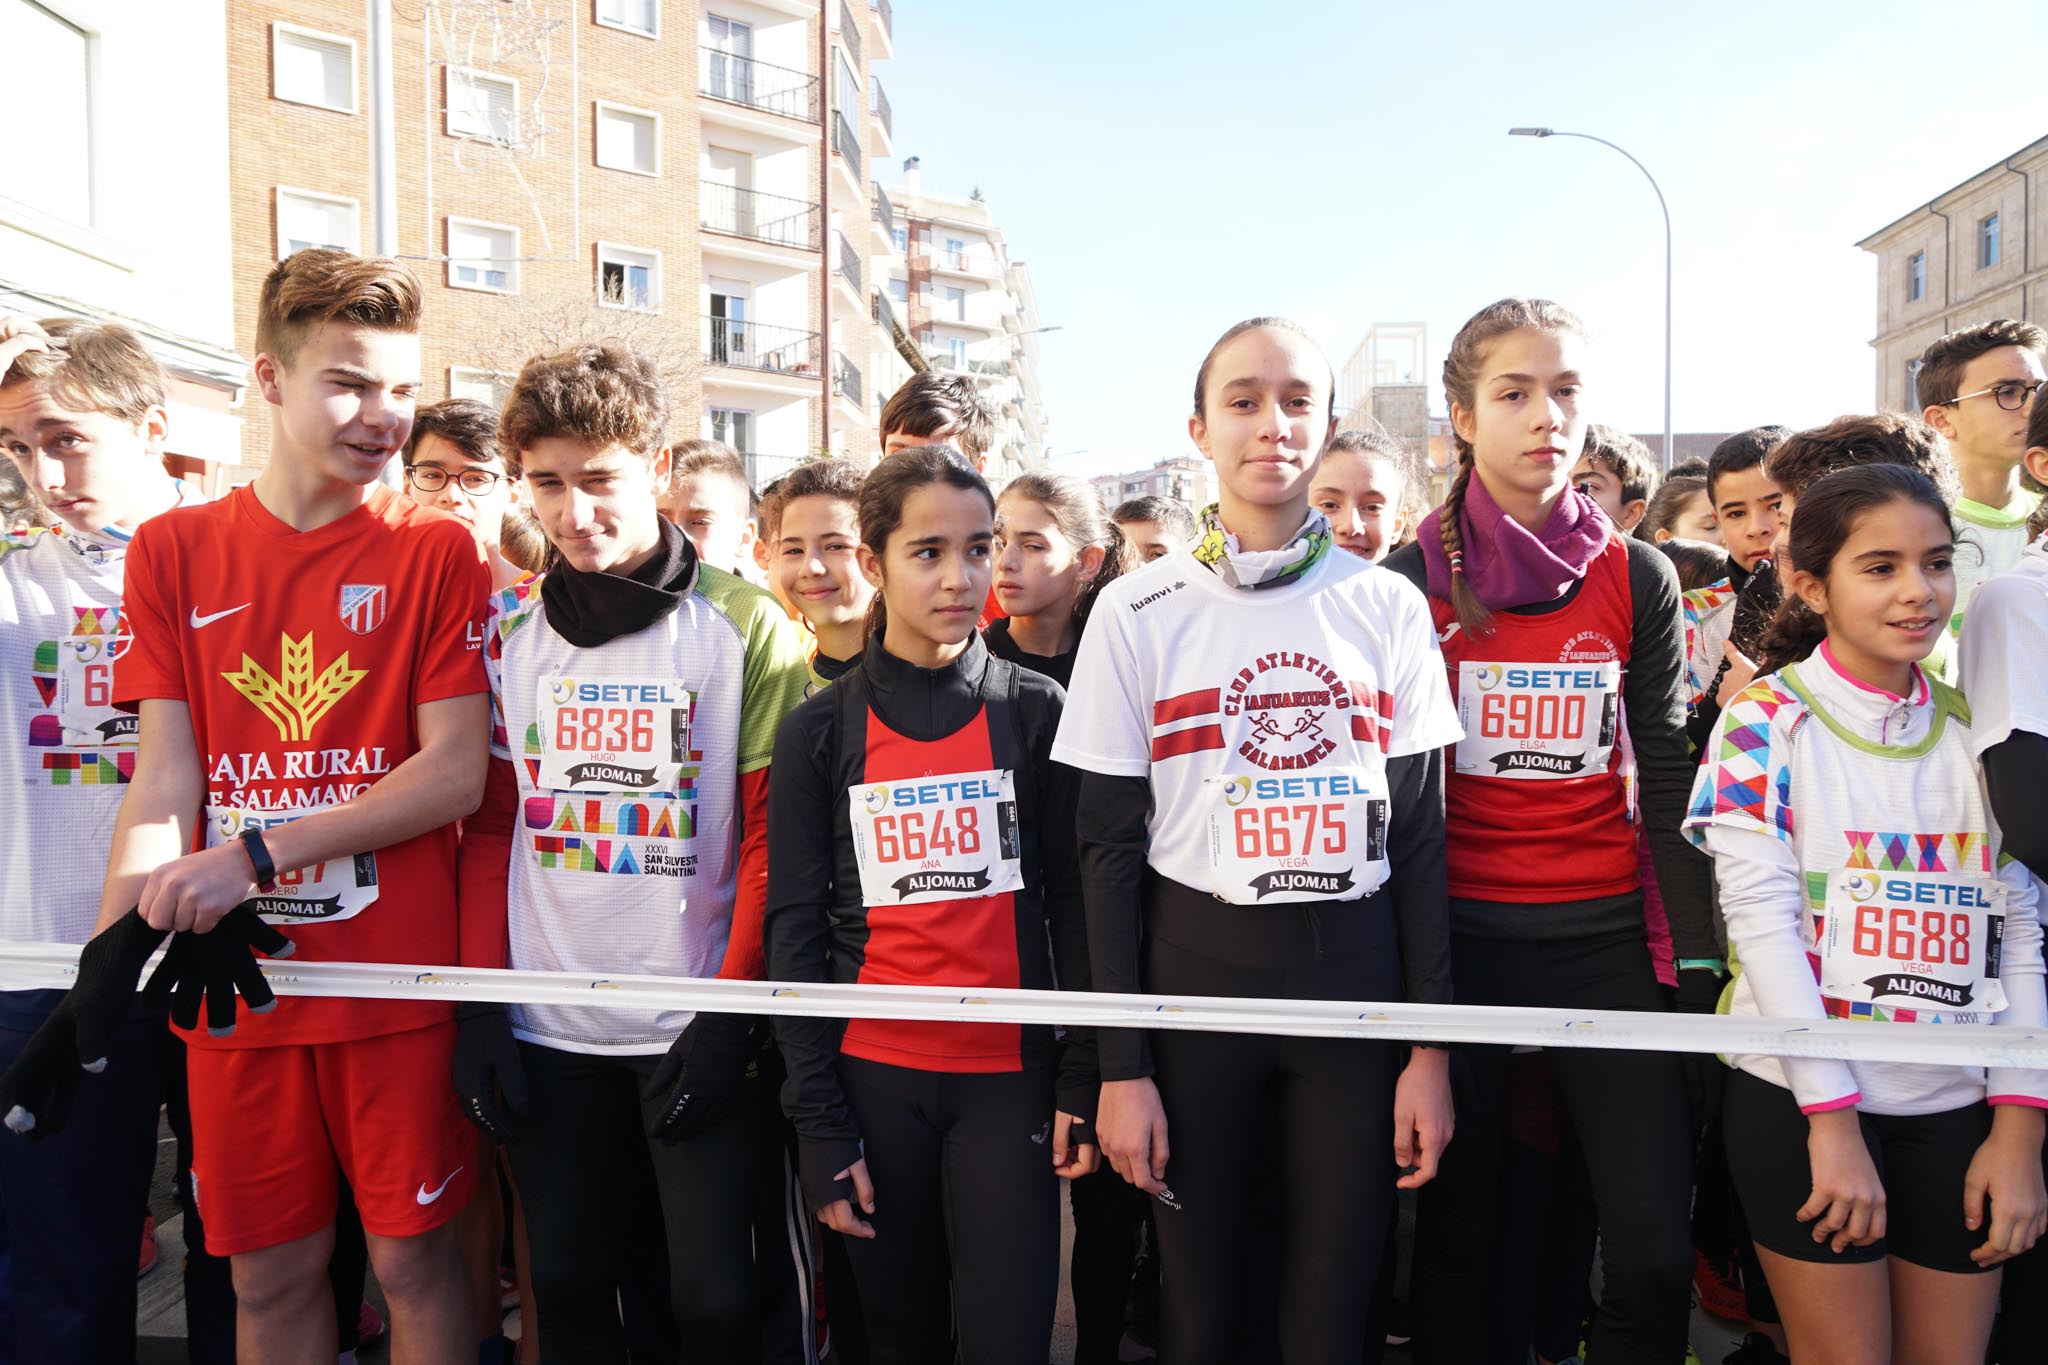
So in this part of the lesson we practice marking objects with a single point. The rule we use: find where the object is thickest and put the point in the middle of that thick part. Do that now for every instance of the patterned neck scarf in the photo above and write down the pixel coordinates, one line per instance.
(1250, 569)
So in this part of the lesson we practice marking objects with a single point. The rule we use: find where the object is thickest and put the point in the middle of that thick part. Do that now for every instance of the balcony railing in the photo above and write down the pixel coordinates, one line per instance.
(764, 469)
(849, 32)
(758, 85)
(880, 8)
(845, 378)
(845, 143)
(849, 262)
(961, 263)
(884, 311)
(763, 217)
(885, 211)
(880, 105)
(744, 345)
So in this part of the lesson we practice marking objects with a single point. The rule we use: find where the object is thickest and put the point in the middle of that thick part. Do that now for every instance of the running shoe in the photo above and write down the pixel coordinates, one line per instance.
(1718, 1288)
(1756, 1349)
(370, 1327)
(148, 1245)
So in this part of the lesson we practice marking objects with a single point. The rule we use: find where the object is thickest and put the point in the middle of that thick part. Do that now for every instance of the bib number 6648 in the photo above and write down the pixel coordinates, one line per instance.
(910, 836)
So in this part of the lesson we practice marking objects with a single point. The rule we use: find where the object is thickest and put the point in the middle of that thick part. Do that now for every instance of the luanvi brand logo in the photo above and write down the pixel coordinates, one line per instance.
(1149, 598)
(295, 698)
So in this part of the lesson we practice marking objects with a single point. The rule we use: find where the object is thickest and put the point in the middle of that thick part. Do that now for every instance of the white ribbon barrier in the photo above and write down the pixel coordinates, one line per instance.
(47, 965)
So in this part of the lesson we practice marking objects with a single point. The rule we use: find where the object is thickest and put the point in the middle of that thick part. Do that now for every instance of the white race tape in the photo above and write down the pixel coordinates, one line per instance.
(33, 965)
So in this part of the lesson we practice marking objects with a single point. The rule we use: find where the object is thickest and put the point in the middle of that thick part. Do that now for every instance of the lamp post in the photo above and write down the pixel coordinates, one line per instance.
(1552, 132)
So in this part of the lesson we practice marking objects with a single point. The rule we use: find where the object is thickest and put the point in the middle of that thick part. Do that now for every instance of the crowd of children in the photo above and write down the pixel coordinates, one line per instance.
(1759, 736)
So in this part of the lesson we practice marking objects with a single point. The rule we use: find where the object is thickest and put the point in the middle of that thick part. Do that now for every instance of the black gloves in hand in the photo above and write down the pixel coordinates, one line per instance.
(36, 1092)
(699, 1081)
(488, 1069)
(217, 965)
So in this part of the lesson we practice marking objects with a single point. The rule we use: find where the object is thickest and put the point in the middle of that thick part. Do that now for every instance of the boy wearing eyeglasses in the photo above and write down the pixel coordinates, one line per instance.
(452, 462)
(1976, 387)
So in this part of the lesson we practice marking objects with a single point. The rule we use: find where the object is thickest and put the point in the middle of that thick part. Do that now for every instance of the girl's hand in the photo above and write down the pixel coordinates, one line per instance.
(17, 336)
(1847, 1198)
(1740, 673)
(1423, 1116)
(2007, 1169)
(839, 1215)
(1071, 1160)
(1130, 1122)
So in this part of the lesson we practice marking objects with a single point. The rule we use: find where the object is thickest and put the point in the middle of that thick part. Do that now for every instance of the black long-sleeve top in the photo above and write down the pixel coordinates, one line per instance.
(817, 927)
(1128, 900)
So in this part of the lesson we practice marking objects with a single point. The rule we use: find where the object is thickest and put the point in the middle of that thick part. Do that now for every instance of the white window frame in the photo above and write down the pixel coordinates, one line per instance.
(599, 108)
(511, 262)
(1916, 277)
(279, 27)
(620, 249)
(597, 17)
(498, 382)
(355, 208)
(450, 75)
(1991, 235)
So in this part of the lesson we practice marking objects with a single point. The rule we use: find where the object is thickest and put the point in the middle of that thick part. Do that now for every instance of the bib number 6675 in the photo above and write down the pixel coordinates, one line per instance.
(1290, 831)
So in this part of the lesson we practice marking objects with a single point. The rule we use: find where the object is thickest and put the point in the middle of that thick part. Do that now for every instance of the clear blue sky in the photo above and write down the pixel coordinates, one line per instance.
(1167, 169)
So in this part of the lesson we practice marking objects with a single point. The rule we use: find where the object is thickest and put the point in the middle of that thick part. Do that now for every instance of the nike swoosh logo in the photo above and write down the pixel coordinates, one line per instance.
(209, 619)
(424, 1198)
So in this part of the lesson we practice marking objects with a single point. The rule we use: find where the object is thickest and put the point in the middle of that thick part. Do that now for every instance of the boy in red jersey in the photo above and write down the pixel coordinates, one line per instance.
(313, 712)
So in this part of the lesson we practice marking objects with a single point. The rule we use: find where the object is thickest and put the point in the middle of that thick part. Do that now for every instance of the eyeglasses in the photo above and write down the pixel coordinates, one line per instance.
(2012, 395)
(430, 478)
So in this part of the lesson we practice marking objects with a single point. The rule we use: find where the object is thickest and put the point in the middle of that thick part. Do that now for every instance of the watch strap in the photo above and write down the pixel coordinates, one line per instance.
(259, 859)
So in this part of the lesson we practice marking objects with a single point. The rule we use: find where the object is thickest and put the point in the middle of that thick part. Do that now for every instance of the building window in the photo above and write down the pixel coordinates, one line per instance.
(956, 254)
(483, 256)
(899, 290)
(956, 303)
(481, 105)
(308, 67)
(485, 386)
(901, 237)
(634, 16)
(1987, 242)
(307, 219)
(49, 71)
(733, 426)
(628, 278)
(628, 139)
(846, 91)
(1916, 277)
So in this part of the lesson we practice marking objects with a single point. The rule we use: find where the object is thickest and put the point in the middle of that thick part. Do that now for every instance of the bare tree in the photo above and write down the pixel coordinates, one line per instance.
(540, 324)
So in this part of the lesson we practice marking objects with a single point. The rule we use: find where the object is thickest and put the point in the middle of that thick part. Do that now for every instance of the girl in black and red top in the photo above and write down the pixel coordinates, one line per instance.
(923, 836)
(1563, 644)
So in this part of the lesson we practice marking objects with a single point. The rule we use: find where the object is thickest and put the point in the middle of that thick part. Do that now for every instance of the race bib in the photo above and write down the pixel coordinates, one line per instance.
(613, 734)
(1537, 721)
(1914, 940)
(1300, 837)
(936, 838)
(325, 892)
(85, 693)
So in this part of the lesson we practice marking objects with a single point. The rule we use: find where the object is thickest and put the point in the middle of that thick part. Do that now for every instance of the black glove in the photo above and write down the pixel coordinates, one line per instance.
(1706, 1076)
(699, 1080)
(217, 965)
(36, 1092)
(488, 1069)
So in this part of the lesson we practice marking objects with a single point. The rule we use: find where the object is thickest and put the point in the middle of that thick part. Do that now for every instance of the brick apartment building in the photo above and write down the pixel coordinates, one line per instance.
(696, 179)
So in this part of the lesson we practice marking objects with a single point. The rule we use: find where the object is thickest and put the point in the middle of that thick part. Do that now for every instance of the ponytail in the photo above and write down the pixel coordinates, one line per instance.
(1465, 604)
(1077, 510)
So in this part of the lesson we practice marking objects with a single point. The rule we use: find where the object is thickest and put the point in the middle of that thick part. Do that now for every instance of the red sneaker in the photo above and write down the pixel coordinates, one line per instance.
(1719, 1289)
(369, 1327)
(148, 1245)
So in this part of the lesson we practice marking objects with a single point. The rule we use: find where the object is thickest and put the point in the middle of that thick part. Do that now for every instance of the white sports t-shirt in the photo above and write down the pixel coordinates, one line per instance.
(1989, 541)
(1263, 718)
(67, 754)
(1860, 875)
(2004, 652)
(629, 756)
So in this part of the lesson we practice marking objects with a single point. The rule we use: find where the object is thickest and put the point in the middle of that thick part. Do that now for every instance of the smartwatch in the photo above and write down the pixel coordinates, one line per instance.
(259, 859)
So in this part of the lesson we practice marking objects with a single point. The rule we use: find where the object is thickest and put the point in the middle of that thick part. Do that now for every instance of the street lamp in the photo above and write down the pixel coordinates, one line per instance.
(1669, 454)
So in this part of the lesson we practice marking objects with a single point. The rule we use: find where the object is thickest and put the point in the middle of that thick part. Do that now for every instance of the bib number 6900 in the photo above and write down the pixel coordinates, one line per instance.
(1544, 715)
